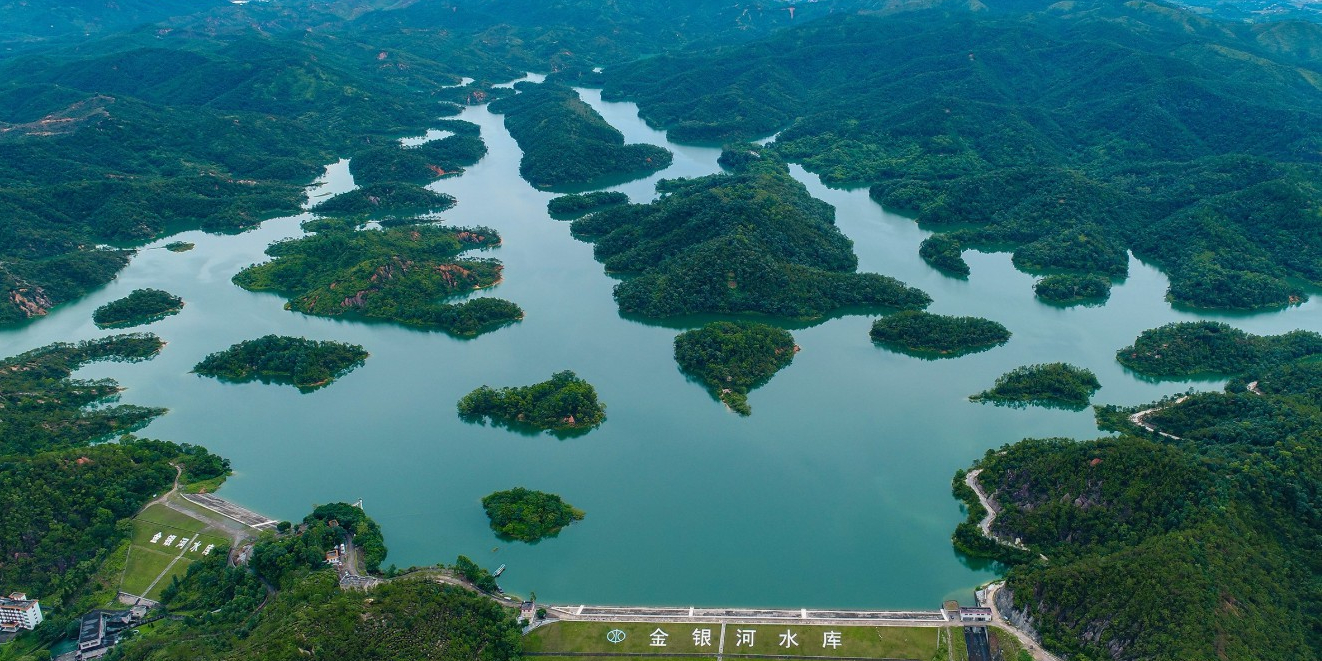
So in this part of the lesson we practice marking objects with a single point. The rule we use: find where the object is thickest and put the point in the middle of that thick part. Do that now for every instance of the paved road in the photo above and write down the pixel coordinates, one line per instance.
(971, 479)
(907, 618)
(1029, 644)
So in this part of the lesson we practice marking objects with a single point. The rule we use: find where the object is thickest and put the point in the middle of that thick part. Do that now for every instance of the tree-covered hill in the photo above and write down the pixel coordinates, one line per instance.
(1197, 534)
(749, 241)
(401, 274)
(121, 139)
(1073, 131)
(567, 143)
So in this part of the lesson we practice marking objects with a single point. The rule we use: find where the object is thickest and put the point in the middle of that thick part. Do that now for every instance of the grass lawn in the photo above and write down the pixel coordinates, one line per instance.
(573, 638)
(165, 516)
(147, 558)
(143, 566)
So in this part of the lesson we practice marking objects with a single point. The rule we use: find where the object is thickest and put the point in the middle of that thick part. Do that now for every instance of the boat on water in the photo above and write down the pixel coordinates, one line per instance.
(499, 570)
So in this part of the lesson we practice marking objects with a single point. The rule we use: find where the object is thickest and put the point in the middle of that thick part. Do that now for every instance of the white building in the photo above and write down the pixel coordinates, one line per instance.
(17, 610)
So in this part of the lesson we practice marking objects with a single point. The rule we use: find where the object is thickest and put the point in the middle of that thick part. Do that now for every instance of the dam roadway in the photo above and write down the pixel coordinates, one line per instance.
(853, 617)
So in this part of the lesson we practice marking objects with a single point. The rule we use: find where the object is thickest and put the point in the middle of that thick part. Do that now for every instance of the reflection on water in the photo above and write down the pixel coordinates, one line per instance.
(835, 492)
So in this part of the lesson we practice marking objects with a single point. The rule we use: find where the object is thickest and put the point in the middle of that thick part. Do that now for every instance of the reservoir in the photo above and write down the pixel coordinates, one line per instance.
(834, 493)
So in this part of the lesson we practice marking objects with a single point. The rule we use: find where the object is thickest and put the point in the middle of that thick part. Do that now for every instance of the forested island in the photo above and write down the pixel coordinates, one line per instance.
(748, 241)
(579, 204)
(1070, 151)
(386, 198)
(394, 162)
(1071, 289)
(306, 364)
(732, 358)
(564, 404)
(1045, 384)
(399, 274)
(1190, 348)
(566, 143)
(141, 306)
(938, 335)
(527, 515)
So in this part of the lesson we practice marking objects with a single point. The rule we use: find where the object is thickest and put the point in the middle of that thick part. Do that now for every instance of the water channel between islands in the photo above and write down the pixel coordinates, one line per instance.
(834, 493)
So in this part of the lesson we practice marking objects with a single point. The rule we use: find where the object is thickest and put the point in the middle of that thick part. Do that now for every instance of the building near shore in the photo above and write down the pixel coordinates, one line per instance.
(99, 630)
(967, 614)
(19, 612)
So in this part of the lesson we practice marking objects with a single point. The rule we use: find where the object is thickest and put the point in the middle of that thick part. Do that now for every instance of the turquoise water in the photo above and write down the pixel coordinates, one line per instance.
(834, 493)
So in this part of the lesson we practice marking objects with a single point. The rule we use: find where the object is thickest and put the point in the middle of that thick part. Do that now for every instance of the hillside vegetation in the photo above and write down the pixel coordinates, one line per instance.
(732, 358)
(565, 404)
(307, 364)
(527, 515)
(566, 143)
(748, 241)
(141, 306)
(936, 335)
(1071, 131)
(400, 274)
(1191, 348)
(1046, 384)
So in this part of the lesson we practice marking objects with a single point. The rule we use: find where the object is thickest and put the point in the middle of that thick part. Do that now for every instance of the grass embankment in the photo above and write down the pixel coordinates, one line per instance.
(576, 638)
(148, 560)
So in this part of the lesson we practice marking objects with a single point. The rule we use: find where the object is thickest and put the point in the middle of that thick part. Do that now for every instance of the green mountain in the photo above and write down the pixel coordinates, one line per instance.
(1073, 131)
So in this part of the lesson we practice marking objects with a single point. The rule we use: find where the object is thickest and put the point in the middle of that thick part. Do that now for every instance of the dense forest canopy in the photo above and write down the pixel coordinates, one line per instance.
(307, 364)
(566, 142)
(565, 403)
(732, 358)
(1071, 289)
(141, 306)
(749, 241)
(45, 409)
(938, 335)
(579, 204)
(1045, 384)
(400, 274)
(527, 515)
(394, 162)
(1191, 348)
(66, 493)
(1073, 131)
(1205, 512)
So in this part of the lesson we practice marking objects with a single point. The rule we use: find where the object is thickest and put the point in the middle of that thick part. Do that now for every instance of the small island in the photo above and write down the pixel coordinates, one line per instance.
(732, 358)
(386, 198)
(1047, 384)
(141, 306)
(179, 246)
(306, 364)
(567, 207)
(1071, 289)
(1192, 348)
(565, 404)
(527, 515)
(944, 253)
(937, 335)
(400, 274)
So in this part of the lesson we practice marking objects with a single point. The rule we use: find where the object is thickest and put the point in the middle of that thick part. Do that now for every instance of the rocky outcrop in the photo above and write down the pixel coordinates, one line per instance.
(33, 301)
(1019, 618)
